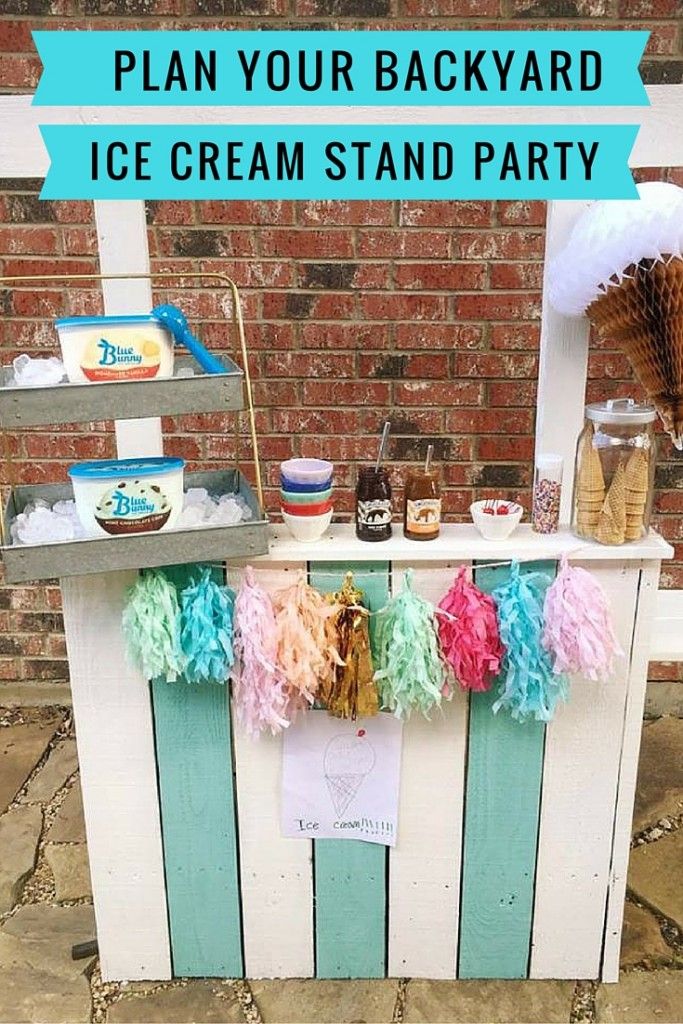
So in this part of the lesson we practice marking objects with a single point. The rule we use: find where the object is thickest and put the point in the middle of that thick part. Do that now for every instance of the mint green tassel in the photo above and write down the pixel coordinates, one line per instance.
(151, 626)
(411, 674)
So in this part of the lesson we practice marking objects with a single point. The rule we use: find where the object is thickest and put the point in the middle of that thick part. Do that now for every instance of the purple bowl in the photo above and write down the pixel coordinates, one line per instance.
(306, 471)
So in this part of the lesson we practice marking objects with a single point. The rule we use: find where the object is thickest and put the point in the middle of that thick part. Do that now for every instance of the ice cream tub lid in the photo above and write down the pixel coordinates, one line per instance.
(113, 321)
(109, 469)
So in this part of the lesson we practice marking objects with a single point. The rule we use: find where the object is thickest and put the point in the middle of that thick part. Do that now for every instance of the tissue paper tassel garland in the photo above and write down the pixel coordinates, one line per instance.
(578, 631)
(468, 632)
(304, 651)
(206, 628)
(351, 692)
(151, 626)
(529, 687)
(259, 686)
(411, 673)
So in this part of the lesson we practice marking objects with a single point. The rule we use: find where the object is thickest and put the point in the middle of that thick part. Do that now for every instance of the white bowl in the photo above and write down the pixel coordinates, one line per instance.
(494, 527)
(307, 471)
(307, 529)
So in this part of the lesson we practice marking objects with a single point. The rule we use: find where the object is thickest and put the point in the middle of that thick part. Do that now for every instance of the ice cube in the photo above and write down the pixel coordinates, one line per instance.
(40, 524)
(227, 513)
(195, 496)
(30, 372)
(190, 517)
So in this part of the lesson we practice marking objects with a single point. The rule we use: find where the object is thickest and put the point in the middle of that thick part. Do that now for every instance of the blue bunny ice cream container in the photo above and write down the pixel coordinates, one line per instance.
(115, 497)
(115, 348)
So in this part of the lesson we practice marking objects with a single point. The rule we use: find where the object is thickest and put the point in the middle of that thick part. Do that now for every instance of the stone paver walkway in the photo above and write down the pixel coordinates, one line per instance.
(46, 907)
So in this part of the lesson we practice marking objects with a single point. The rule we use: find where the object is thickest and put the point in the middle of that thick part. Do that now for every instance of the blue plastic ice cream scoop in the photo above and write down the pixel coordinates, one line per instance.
(175, 321)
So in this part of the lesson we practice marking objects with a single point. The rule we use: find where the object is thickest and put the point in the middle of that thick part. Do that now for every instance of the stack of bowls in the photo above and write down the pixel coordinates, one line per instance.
(306, 497)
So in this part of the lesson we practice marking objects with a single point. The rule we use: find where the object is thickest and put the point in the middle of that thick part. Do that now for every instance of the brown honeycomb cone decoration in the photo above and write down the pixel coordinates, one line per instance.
(644, 315)
(611, 528)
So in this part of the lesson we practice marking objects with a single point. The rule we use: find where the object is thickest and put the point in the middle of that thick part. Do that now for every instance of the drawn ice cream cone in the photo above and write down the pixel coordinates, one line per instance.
(349, 758)
(342, 789)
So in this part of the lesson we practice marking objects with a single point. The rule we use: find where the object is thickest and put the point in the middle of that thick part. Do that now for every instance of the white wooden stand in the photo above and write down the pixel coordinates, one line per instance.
(591, 750)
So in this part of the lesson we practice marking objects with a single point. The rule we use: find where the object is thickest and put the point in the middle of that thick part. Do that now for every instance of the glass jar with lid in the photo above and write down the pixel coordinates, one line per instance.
(614, 477)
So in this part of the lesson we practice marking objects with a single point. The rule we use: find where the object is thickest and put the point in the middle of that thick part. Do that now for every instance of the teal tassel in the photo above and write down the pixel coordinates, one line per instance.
(529, 687)
(151, 626)
(206, 630)
(411, 674)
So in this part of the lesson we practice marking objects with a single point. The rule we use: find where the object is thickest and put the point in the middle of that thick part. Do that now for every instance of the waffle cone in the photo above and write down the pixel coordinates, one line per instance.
(637, 476)
(611, 528)
(644, 315)
(590, 485)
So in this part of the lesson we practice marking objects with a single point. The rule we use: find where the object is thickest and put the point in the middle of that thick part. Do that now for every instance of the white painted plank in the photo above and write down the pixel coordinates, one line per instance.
(563, 365)
(112, 704)
(276, 874)
(580, 771)
(628, 771)
(122, 240)
(118, 777)
(667, 632)
(424, 867)
(659, 142)
(458, 542)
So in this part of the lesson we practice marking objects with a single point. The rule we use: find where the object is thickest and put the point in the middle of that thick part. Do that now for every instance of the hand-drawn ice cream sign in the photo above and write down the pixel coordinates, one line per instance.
(340, 780)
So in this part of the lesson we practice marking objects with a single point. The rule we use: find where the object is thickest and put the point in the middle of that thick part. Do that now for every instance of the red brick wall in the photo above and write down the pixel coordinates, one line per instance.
(425, 313)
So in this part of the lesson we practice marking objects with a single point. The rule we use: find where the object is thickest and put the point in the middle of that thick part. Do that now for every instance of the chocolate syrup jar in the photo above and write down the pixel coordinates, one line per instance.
(373, 504)
(422, 505)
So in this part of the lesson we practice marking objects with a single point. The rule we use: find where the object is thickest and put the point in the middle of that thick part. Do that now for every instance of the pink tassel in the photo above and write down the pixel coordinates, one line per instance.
(578, 631)
(259, 686)
(304, 651)
(468, 632)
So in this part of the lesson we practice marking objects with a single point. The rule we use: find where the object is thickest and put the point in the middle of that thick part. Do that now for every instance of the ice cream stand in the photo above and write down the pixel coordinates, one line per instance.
(190, 873)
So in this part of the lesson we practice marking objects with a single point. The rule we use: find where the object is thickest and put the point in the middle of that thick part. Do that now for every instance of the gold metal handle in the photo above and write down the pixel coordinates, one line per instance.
(165, 275)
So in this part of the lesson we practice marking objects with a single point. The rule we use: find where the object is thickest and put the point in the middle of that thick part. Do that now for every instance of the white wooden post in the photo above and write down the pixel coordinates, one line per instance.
(112, 705)
(563, 363)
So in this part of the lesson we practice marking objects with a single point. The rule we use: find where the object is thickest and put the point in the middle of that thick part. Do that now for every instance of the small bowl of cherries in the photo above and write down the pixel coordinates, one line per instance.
(495, 518)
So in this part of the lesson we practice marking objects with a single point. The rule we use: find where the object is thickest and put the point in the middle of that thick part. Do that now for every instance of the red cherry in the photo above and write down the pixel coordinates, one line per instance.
(502, 510)
(361, 732)
(488, 511)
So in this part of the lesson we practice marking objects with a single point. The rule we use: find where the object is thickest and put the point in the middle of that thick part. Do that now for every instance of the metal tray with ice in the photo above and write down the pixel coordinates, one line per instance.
(216, 541)
(190, 390)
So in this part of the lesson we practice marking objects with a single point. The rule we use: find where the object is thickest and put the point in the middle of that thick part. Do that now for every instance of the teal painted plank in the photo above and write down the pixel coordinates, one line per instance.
(350, 875)
(502, 804)
(194, 755)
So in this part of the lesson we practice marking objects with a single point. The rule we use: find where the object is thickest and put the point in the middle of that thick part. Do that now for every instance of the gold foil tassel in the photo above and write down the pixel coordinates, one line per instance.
(352, 692)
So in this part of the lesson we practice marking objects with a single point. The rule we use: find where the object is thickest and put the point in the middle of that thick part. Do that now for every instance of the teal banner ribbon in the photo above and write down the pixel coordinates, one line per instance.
(520, 68)
(339, 162)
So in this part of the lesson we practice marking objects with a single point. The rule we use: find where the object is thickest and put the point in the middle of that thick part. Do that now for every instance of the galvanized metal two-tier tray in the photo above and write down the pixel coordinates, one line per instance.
(184, 393)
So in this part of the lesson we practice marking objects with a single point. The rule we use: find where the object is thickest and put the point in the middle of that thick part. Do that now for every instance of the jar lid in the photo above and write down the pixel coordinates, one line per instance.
(620, 410)
(548, 462)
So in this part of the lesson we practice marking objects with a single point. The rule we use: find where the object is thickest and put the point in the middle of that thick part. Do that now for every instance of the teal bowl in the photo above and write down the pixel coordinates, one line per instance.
(314, 498)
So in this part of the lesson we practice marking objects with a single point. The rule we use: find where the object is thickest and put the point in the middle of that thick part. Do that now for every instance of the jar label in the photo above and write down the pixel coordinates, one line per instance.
(374, 515)
(423, 515)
